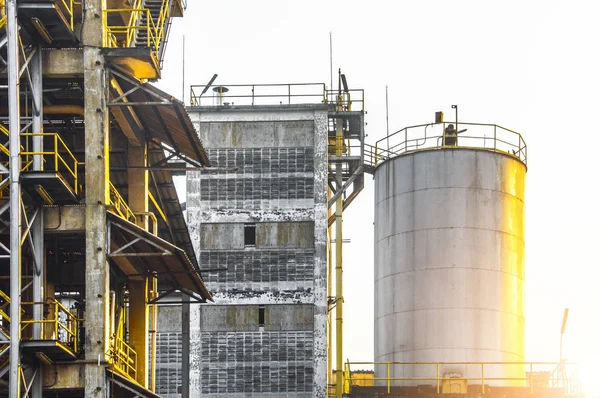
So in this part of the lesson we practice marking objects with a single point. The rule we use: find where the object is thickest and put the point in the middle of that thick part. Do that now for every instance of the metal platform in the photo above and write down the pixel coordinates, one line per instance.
(139, 62)
(49, 187)
(53, 349)
(50, 17)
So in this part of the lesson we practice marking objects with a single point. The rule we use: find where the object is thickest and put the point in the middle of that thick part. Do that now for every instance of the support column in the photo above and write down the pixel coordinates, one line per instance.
(138, 326)
(96, 316)
(196, 347)
(15, 198)
(37, 229)
(185, 346)
(320, 257)
(137, 182)
(137, 187)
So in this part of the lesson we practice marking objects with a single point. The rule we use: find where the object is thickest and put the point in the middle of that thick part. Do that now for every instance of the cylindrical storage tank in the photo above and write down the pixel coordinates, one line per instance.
(449, 265)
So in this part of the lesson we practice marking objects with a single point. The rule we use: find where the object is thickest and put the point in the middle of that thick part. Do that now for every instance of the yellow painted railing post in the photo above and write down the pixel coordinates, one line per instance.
(437, 376)
(494, 138)
(388, 378)
(56, 319)
(56, 152)
(482, 380)
(531, 377)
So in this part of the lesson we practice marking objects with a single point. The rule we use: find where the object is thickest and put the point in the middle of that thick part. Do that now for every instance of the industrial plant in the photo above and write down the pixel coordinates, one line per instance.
(111, 286)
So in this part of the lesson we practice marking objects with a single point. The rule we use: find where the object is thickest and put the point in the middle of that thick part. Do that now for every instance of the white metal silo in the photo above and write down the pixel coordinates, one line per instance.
(449, 262)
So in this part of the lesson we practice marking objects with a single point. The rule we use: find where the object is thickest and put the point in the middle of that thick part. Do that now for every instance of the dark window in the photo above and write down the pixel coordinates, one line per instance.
(261, 315)
(249, 235)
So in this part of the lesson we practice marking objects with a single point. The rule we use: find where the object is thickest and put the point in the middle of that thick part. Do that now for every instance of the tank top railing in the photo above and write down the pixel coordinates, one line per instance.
(459, 375)
(489, 137)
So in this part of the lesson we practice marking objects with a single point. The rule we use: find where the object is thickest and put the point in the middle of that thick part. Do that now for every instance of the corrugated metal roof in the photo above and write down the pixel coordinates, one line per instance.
(174, 228)
(175, 270)
(168, 124)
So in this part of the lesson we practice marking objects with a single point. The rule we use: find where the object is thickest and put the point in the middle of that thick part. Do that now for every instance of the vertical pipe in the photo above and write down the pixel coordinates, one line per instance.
(329, 294)
(330, 61)
(387, 121)
(154, 331)
(111, 317)
(37, 230)
(185, 346)
(15, 198)
(339, 303)
(183, 71)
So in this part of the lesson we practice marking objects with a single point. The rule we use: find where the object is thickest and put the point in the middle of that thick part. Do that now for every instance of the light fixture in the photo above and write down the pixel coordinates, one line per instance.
(41, 28)
(44, 195)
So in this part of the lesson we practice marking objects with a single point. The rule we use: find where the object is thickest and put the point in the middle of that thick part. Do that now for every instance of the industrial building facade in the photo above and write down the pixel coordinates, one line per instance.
(259, 227)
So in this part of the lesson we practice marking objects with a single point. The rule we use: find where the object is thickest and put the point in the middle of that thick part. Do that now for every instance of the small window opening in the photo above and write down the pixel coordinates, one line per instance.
(261, 317)
(249, 235)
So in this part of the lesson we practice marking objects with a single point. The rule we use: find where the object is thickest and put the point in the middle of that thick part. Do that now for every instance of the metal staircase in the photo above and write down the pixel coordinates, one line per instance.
(160, 13)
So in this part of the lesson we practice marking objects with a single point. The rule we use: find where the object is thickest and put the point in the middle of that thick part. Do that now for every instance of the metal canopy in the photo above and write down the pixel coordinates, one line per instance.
(124, 387)
(163, 118)
(139, 253)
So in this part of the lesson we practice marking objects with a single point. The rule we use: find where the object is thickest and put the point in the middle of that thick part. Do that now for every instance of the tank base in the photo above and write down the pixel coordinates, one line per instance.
(473, 391)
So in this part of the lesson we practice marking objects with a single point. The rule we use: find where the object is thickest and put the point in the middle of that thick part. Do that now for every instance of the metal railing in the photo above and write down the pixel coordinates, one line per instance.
(58, 162)
(61, 325)
(67, 5)
(119, 205)
(346, 99)
(490, 137)
(433, 373)
(124, 358)
(123, 36)
(140, 19)
(260, 94)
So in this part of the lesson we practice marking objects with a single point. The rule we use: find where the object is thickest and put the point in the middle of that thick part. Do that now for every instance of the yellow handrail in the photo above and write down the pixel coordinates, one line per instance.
(68, 326)
(70, 164)
(124, 357)
(125, 35)
(119, 205)
(564, 383)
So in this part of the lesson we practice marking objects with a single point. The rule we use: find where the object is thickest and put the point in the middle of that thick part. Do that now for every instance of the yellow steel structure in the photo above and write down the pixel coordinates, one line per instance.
(122, 355)
(140, 28)
(78, 275)
(339, 293)
(61, 325)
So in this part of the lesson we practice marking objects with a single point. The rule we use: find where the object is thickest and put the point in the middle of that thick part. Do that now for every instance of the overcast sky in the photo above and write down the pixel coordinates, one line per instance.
(531, 66)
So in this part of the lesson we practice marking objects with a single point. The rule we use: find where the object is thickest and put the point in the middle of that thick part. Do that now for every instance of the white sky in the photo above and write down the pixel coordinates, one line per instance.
(531, 66)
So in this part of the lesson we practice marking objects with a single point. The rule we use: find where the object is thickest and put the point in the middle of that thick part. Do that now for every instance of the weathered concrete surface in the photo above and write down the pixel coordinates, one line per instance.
(63, 63)
(62, 219)
(320, 287)
(63, 376)
(266, 337)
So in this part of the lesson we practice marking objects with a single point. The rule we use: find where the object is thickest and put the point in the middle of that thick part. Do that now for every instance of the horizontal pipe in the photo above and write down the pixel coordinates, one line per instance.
(54, 110)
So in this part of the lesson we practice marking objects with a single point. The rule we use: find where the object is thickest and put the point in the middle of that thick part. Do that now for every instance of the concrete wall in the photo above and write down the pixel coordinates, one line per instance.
(168, 352)
(280, 187)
